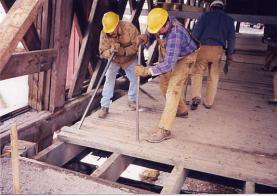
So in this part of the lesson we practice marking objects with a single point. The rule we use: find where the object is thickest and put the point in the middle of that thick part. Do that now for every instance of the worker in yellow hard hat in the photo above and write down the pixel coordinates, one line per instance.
(177, 53)
(118, 37)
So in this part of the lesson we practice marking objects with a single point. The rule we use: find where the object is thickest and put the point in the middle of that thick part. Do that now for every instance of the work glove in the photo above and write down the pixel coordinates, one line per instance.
(226, 65)
(119, 51)
(225, 68)
(115, 47)
(142, 71)
(142, 39)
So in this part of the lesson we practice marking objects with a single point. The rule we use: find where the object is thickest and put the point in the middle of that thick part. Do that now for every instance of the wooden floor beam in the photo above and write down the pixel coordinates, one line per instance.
(59, 153)
(175, 181)
(249, 188)
(113, 167)
(26, 63)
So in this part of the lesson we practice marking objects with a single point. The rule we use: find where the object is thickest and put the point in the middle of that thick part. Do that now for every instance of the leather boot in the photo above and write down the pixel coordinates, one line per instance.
(103, 112)
(195, 102)
(159, 135)
(132, 105)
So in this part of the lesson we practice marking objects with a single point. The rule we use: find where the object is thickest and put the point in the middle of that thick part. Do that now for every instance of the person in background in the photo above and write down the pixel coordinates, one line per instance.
(270, 38)
(177, 53)
(118, 37)
(216, 31)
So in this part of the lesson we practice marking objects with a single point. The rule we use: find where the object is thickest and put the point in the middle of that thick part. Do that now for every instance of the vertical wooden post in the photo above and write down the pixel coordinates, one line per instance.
(63, 23)
(15, 159)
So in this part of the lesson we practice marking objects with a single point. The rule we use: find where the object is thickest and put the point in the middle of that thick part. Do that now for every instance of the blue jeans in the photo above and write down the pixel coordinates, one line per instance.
(108, 88)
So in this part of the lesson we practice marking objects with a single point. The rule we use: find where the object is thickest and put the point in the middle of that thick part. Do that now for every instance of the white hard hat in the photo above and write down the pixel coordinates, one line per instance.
(217, 2)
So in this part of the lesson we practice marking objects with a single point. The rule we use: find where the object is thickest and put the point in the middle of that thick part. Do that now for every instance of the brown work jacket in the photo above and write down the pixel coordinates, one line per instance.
(127, 39)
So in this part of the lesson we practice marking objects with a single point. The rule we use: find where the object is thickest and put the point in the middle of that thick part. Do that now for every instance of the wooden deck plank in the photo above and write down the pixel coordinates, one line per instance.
(236, 138)
(204, 158)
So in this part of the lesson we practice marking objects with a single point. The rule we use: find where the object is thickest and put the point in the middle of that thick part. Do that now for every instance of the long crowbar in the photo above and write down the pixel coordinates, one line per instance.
(96, 89)
(137, 100)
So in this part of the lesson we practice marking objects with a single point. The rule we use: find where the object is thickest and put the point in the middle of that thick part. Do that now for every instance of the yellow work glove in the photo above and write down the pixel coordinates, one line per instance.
(142, 39)
(142, 71)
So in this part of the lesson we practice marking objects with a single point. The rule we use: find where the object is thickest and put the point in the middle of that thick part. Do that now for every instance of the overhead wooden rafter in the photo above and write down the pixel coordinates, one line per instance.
(15, 25)
(28, 62)
(31, 40)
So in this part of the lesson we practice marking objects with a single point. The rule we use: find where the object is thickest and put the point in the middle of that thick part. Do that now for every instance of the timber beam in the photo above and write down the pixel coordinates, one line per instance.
(59, 153)
(15, 25)
(249, 187)
(40, 129)
(113, 167)
(62, 30)
(236, 17)
(176, 180)
(31, 40)
(84, 54)
(26, 63)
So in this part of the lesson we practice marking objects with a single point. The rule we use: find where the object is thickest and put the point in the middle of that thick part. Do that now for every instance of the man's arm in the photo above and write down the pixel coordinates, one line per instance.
(173, 48)
(132, 49)
(104, 46)
(231, 38)
(199, 27)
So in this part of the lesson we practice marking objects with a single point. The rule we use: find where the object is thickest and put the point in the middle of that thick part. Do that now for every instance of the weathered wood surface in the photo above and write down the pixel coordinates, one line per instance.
(31, 40)
(63, 24)
(39, 126)
(92, 185)
(249, 188)
(236, 138)
(26, 63)
(84, 54)
(59, 153)
(15, 25)
(113, 167)
(42, 87)
(176, 180)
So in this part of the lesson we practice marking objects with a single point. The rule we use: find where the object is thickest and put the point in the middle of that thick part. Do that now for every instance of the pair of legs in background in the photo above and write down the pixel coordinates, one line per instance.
(208, 58)
(108, 89)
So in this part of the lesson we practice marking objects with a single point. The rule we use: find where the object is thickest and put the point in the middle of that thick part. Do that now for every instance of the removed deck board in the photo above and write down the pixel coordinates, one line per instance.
(236, 138)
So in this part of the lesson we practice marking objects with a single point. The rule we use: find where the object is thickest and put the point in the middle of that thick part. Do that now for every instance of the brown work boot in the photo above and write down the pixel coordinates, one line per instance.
(182, 114)
(103, 112)
(132, 105)
(159, 136)
(195, 102)
(207, 106)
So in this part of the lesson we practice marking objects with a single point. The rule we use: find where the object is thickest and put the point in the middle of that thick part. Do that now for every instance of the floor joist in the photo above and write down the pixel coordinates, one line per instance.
(113, 167)
(175, 181)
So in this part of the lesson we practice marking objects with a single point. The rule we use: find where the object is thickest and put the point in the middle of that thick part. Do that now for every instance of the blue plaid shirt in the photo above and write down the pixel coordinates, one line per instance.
(178, 44)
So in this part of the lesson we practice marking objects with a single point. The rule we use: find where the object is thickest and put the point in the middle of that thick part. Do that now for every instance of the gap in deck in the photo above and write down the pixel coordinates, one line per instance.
(263, 189)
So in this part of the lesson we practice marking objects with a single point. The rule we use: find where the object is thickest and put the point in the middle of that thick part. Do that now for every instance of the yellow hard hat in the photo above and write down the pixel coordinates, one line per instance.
(110, 21)
(156, 19)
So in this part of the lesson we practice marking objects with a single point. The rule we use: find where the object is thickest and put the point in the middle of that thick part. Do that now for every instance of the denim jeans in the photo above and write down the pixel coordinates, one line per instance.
(108, 89)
